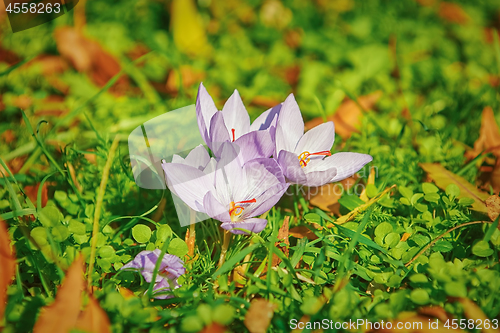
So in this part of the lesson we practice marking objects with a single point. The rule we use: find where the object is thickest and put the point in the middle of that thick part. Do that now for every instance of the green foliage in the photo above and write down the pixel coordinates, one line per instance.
(413, 248)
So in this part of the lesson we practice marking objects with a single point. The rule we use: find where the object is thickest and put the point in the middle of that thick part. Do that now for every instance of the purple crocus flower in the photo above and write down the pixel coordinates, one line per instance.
(170, 269)
(233, 191)
(232, 124)
(302, 156)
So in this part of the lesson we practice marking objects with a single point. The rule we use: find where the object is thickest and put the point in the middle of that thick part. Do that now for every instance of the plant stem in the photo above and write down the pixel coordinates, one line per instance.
(97, 213)
(225, 246)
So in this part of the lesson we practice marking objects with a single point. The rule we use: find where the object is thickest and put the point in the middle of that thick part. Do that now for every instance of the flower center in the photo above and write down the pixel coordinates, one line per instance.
(304, 157)
(236, 210)
(232, 131)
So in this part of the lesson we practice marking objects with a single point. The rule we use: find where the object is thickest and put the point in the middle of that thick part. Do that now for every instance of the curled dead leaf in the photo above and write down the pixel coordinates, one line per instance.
(89, 57)
(93, 319)
(61, 316)
(283, 233)
(493, 205)
(259, 315)
(347, 118)
(473, 311)
(443, 178)
(301, 232)
(326, 197)
(7, 264)
(489, 136)
(453, 13)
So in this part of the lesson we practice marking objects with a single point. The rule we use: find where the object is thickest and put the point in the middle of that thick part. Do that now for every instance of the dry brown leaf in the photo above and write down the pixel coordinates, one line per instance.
(214, 328)
(493, 205)
(259, 315)
(453, 13)
(473, 311)
(327, 196)
(405, 237)
(347, 118)
(435, 311)
(188, 77)
(32, 193)
(283, 233)
(264, 101)
(61, 316)
(443, 178)
(7, 264)
(93, 319)
(89, 57)
(489, 136)
(301, 232)
(301, 323)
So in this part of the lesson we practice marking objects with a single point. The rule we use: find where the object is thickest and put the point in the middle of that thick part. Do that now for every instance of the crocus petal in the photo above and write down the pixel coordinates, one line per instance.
(319, 178)
(215, 209)
(290, 125)
(266, 119)
(229, 174)
(218, 133)
(163, 289)
(205, 109)
(253, 224)
(319, 138)
(347, 164)
(171, 266)
(289, 163)
(198, 158)
(236, 116)
(145, 263)
(187, 182)
(255, 145)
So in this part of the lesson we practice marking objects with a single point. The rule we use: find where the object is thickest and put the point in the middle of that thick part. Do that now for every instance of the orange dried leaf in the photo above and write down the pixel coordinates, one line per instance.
(443, 178)
(88, 56)
(326, 197)
(473, 311)
(259, 315)
(347, 118)
(453, 13)
(93, 319)
(61, 316)
(7, 264)
(493, 205)
(489, 135)
(214, 328)
(405, 237)
(283, 233)
(301, 232)
(188, 77)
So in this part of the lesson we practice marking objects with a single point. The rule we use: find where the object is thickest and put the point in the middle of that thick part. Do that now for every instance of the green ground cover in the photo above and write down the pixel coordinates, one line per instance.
(73, 89)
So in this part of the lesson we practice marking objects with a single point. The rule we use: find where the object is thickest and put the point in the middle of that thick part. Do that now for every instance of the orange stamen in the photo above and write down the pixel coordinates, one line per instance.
(235, 210)
(304, 157)
(232, 130)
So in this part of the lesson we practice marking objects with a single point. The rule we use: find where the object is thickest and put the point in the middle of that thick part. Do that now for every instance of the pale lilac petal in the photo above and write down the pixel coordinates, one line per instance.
(348, 164)
(319, 138)
(218, 133)
(319, 178)
(290, 125)
(236, 116)
(171, 266)
(289, 163)
(205, 109)
(198, 158)
(215, 209)
(266, 119)
(229, 174)
(255, 145)
(253, 224)
(163, 289)
(187, 182)
(268, 199)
